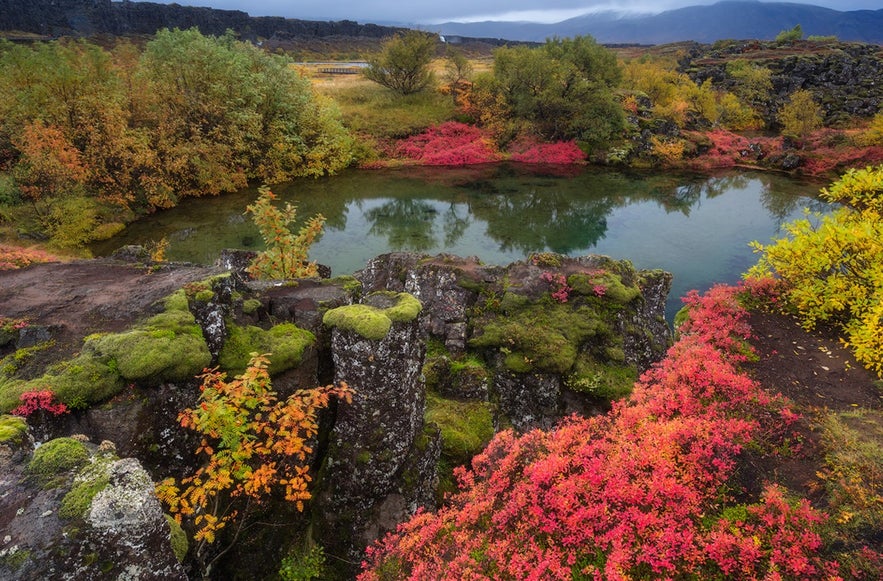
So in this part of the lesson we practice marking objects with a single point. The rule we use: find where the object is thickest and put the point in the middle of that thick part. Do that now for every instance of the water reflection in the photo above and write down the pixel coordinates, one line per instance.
(696, 227)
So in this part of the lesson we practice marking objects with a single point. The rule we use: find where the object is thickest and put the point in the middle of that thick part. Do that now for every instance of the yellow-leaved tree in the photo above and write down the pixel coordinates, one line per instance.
(287, 253)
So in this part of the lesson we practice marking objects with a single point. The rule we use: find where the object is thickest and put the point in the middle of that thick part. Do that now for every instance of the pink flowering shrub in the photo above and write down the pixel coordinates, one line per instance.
(450, 143)
(43, 400)
(627, 495)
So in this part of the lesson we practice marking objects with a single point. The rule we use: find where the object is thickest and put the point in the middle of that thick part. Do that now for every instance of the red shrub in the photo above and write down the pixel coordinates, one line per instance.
(624, 495)
(450, 143)
(559, 153)
(33, 401)
(14, 257)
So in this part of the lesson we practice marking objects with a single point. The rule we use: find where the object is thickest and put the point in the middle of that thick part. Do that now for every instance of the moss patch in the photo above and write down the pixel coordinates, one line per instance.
(81, 382)
(285, 342)
(166, 347)
(250, 306)
(609, 381)
(371, 322)
(89, 481)
(12, 429)
(180, 546)
(56, 457)
(466, 428)
(540, 335)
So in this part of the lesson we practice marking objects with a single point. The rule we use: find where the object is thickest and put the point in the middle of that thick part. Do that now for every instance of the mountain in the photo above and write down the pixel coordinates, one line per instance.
(724, 20)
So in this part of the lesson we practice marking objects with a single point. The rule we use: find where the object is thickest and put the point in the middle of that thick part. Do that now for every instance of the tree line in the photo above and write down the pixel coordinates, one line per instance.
(94, 137)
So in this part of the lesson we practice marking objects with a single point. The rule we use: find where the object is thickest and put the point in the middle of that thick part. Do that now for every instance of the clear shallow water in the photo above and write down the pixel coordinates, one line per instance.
(697, 227)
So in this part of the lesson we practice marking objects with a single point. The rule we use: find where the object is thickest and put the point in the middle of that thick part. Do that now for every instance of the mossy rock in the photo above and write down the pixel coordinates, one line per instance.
(82, 381)
(166, 347)
(540, 336)
(180, 545)
(251, 306)
(374, 318)
(10, 392)
(12, 429)
(466, 427)
(89, 481)
(612, 284)
(55, 458)
(285, 342)
(610, 381)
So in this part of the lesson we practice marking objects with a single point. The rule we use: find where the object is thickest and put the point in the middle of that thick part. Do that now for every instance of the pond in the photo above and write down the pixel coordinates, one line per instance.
(697, 227)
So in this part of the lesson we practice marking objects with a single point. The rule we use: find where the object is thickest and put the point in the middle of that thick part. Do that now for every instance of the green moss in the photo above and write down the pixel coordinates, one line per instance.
(549, 259)
(14, 558)
(12, 429)
(405, 310)
(54, 458)
(12, 362)
(251, 306)
(539, 336)
(370, 322)
(204, 296)
(180, 546)
(466, 428)
(366, 321)
(177, 301)
(286, 344)
(79, 499)
(10, 391)
(347, 282)
(166, 347)
(613, 287)
(82, 381)
(609, 381)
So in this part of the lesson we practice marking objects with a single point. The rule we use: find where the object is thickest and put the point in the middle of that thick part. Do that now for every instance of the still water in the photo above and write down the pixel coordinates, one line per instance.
(697, 227)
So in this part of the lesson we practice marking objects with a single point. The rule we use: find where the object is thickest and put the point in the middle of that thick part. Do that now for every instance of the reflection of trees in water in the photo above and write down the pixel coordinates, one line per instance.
(532, 221)
(407, 224)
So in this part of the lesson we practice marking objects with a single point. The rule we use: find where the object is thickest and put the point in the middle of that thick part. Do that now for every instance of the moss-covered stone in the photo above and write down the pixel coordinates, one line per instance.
(180, 545)
(12, 429)
(366, 321)
(89, 481)
(372, 322)
(55, 458)
(540, 335)
(606, 284)
(166, 347)
(285, 342)
(82, 381)
(466, 428)
(204, 296)
(610, 381)
(250, 306)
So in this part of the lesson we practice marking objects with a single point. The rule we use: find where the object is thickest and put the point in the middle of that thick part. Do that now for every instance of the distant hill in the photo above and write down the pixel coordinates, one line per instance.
(724, 20)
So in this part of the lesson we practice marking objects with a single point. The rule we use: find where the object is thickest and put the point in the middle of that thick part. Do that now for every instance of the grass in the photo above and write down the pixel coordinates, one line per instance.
(371, 110)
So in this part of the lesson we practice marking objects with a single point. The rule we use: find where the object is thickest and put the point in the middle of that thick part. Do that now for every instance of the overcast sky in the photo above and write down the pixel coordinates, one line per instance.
(434, 11)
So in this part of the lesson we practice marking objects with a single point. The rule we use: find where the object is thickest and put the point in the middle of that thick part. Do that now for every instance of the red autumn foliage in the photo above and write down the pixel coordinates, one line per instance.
(558, 153)
(34, 401)
(14, 257)
(450, 143)
(629, 494)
